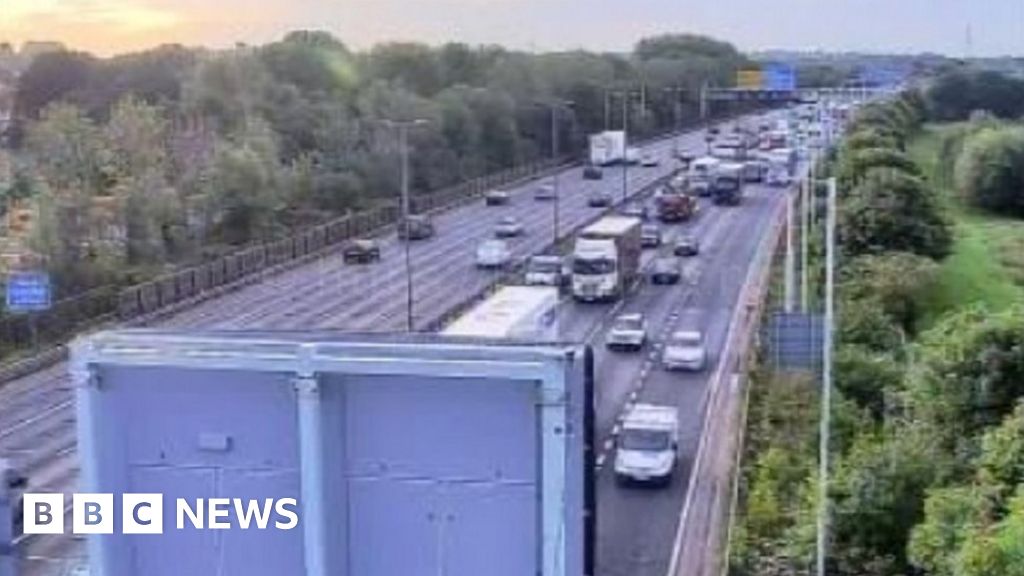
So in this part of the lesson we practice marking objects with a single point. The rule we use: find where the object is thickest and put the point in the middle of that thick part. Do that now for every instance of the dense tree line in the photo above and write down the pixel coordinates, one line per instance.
(928, 473)
(157, 157)
(960, 92)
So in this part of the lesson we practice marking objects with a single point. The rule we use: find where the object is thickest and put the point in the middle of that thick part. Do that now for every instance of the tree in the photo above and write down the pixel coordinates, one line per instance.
(879, 489)
(313, 62)
(243, 193)
(868, 378)
(892, 211)
(970, 372)
(950, 516)
(51, 77)
(410, 65)
(894, 281)
(990, 170)
(137, 137)
(857, 162)
(69, 151)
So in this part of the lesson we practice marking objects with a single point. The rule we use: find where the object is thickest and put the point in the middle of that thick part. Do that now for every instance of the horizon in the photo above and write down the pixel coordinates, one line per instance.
(946, 27)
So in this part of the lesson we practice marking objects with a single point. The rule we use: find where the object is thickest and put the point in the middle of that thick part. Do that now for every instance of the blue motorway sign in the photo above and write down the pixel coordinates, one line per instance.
(28, 291)
(796, 340)
(778, 77)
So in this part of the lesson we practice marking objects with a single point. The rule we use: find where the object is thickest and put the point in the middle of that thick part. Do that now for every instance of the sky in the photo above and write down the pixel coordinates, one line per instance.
(996, 27)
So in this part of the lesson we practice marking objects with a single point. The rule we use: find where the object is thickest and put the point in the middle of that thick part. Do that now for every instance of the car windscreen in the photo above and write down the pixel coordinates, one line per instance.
(545, 266)
(645, 440)
(592, 266)
(628, 324)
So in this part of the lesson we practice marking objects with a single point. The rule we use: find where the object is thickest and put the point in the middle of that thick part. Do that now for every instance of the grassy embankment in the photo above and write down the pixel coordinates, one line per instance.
(987, 263)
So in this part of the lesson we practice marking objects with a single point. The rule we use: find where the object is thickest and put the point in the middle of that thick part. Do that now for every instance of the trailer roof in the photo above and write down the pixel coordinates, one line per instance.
(610, 226)
(496, 316)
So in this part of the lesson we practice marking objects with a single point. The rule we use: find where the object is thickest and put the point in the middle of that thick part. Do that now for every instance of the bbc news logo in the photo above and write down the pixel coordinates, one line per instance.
(144, 514)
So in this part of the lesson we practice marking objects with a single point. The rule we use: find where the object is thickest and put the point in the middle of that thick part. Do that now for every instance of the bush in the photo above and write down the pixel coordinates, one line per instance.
(990, 170)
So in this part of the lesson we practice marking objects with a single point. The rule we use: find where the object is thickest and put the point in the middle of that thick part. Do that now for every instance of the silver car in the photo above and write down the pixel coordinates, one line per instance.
(509, 227)
(685, 350)
(628, 331)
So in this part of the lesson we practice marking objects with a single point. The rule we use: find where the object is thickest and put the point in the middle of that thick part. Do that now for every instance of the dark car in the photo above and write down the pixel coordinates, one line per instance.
(591, 172)
(497, 197)
(666, 270)
(687, 246)
(650, 237)
(599, 199)
(415, 228)
(361, 252)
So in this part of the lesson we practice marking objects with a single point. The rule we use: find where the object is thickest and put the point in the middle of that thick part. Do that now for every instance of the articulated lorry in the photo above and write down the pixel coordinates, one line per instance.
(608, 147)
(606, 259)
(727, 185)
(368, 455)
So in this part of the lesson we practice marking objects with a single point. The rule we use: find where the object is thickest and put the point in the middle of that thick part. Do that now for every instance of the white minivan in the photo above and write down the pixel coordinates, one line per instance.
(646, 449)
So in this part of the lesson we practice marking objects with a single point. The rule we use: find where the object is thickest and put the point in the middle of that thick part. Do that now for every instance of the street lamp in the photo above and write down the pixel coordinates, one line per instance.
(556, 105)
(402, 126)
(677, 91)
(626, 95)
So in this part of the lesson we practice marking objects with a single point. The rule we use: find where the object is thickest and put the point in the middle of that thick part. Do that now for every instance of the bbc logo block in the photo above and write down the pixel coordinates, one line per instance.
(144, 513)
(93, 513)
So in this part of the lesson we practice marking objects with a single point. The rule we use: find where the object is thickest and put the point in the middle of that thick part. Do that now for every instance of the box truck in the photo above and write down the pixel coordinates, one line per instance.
(396, 453)
(606, 258)
(608, 147)
(527, 313)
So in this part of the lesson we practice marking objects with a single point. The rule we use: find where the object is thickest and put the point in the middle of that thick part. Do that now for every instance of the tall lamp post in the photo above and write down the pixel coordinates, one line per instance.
(402, 127)
(626, 96)
(556, 105)
(677, 114)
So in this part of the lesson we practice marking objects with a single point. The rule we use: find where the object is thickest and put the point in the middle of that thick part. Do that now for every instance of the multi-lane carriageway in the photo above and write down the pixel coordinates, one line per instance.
(635, 527)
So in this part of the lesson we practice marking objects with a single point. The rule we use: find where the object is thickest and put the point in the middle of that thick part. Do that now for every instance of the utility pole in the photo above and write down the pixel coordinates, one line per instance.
(804, 294)
(826, 384)
(625, 145)
(790, 258)
(554, 159)
(607, 109)
(814, 188)
(677, 114)
(403, 144)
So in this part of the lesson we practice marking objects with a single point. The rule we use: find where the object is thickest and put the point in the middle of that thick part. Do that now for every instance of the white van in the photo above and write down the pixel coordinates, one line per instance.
(647, 445)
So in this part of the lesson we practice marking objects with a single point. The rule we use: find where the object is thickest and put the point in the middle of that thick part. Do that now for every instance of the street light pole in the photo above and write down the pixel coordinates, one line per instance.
(403, 136)
(403, 144)
(625, 145)
(677, 115)
(826, 384)
(804, 245)
(607, 109)
(554, 161)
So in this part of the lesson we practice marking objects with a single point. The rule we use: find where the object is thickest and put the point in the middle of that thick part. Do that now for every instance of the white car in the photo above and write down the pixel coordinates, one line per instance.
(685, 351)
(648, 160)
(493, 254)
(509, 227)
(546, 270)
(629, 331)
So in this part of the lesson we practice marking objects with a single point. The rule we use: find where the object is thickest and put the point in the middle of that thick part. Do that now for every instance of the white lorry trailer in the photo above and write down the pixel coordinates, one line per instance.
(608, 147)
(391, 451)
(606, 258)
(527, 313)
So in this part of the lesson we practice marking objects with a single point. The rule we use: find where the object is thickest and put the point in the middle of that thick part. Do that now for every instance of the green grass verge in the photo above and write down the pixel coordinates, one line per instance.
(986, 266)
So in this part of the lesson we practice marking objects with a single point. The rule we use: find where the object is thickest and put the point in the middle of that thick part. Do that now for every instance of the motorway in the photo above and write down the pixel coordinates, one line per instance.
(635, 527)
